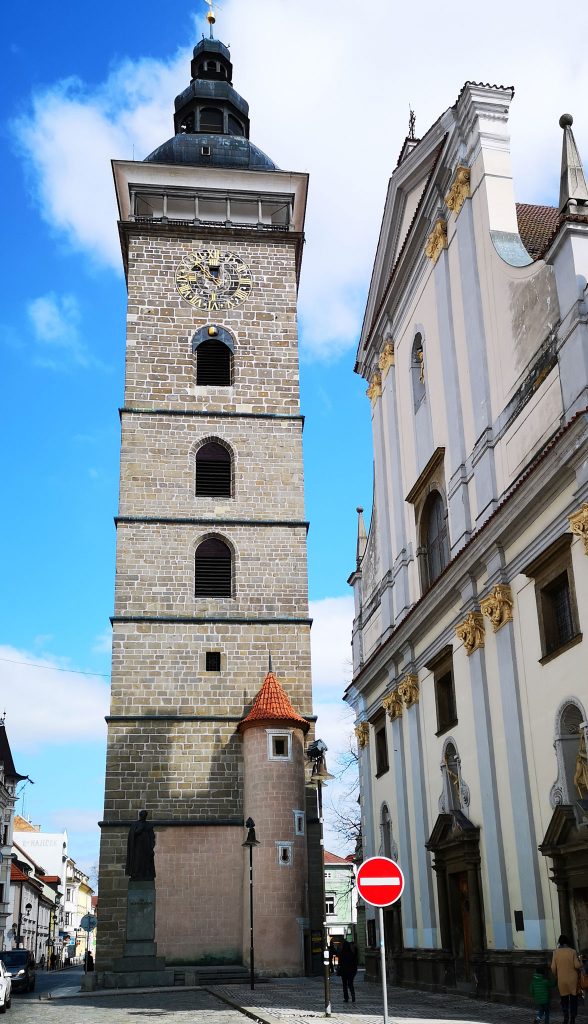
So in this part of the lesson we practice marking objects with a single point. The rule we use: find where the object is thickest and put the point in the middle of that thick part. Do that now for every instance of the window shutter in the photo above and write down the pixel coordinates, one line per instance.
(213, 363)
(213, 569)
(213, 471)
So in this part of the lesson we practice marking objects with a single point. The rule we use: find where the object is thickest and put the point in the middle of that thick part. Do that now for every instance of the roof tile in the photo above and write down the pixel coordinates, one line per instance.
(536, 226)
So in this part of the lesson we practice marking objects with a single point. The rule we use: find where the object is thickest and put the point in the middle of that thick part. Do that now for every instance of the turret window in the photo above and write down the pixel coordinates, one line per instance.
(213, 569)
(279, 745)
(213, 471)
(211, 120)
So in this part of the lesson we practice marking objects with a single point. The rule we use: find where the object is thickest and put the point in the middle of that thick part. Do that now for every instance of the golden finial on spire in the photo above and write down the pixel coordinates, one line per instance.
(210, 17)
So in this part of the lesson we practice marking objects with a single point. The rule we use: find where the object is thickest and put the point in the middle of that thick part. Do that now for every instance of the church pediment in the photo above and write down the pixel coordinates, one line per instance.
(567, 829)
(453, 827)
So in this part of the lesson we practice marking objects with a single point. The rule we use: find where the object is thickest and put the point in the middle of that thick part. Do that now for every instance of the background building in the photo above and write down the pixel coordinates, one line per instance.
(471, 590)
(340, 896)
(211, 544)
(9, 778)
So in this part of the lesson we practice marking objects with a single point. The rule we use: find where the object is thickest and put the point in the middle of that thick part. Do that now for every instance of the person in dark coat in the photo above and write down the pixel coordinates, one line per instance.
(348, 968)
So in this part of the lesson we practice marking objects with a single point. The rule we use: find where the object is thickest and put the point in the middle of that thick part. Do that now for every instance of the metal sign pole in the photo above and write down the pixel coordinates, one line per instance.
(383, 964)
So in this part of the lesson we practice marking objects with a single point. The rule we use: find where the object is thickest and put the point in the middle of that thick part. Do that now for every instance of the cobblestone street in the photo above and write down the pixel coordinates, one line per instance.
(277, 1002)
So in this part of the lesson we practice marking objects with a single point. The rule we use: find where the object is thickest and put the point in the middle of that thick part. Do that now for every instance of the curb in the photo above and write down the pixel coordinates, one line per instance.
(258, 1017)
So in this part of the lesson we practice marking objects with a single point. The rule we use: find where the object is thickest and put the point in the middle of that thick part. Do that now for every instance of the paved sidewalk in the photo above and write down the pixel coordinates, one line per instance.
(299, 1001)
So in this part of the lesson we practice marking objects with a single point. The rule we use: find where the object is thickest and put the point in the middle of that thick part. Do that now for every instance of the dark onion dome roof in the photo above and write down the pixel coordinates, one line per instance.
(204, 150)
(211, 119)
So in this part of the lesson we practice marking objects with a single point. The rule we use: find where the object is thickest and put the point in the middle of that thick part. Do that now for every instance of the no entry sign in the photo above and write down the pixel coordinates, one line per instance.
(380, 881)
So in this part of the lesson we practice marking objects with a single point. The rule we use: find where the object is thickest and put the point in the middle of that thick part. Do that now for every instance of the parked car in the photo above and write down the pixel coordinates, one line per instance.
(5, 989)
(20, 966)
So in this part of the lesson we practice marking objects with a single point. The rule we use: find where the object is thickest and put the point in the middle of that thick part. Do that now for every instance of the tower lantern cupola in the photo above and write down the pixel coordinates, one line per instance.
(211, 119)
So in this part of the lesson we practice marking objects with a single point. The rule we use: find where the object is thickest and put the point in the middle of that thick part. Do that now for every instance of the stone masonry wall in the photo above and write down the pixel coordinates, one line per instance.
(192, 770)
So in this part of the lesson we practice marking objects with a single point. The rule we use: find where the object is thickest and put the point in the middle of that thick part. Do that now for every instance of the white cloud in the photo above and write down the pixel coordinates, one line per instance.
(55, 321)
(46, 706)
(325, 96)
(330, 639)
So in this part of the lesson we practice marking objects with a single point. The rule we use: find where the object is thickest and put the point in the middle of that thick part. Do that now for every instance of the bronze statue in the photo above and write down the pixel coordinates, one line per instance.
(140, 865)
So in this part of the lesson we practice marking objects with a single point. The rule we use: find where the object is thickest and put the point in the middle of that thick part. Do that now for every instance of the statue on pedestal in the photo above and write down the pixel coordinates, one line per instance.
(140, 864)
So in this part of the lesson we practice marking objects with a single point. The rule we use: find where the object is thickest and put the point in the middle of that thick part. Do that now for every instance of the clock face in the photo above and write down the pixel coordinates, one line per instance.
(213, 279)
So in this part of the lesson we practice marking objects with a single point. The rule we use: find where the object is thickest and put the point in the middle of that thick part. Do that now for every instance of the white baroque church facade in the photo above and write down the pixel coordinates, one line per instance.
(470, 679)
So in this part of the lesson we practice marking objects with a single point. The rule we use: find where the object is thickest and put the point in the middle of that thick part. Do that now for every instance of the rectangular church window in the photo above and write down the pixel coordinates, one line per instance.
(381, 749)
(298, 823)
(557, 611)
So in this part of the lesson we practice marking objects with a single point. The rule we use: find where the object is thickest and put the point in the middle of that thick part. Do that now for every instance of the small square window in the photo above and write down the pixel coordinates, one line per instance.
(279, 745)
(213, 661)
(298, 823)
(284, 854)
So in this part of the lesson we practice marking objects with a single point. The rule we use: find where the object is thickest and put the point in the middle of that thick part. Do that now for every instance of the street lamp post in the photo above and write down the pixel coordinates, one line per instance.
(319, 776)
(250, 842)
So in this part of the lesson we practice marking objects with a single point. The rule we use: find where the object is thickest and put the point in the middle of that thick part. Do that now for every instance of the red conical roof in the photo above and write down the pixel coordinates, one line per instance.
(273, 705)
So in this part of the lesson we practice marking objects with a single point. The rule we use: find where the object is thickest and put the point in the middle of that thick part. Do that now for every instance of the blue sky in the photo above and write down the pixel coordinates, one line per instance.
(98, 83)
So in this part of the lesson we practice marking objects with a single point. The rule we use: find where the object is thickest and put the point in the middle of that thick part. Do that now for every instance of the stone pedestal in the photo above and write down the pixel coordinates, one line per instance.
(140, 949)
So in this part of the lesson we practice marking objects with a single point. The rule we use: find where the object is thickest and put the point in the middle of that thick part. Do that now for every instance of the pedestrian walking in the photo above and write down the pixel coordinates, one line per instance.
(565, 966)
(541, 987)
(348, 968)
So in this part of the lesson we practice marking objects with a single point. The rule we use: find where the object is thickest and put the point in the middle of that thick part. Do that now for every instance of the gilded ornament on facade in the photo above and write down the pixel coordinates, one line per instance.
(579, 524)
(386, 359)
(362, 732)
(459, 191)
(375, 389)
(409, 690)
(471, 631)
(392, 704)
(498, 606)
(437, 240)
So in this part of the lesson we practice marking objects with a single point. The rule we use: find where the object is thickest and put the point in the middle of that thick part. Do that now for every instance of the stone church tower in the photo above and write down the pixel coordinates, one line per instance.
(211, 539)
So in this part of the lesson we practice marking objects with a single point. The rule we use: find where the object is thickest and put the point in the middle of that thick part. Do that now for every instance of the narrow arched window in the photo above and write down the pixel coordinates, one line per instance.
(213, 363)
(386, 832)
(213, 471)
(452, 769)
(211, 119)
(213, 569)
(417, 370)
(434, 536)
(568, 741)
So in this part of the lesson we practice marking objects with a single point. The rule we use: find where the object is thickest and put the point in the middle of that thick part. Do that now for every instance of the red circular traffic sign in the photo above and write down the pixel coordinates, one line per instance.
(380, 881)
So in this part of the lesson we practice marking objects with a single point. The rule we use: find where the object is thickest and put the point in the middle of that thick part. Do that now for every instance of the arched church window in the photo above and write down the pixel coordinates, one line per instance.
(434, 536)
(417, 370)
(386, 832)
(235, 126)
(211, 119)
(572, 758)
(213, 471)
(213, 575)
(214, 363)
(451, 764)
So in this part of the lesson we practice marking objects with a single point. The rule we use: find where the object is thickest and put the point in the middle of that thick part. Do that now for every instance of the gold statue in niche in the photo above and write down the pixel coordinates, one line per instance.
(581, 773)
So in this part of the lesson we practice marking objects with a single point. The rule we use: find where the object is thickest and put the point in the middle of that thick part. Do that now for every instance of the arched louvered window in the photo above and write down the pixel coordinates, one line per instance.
(434, 536)
(213, 363)
(213, 471)
(211, 119)
(213, 569)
